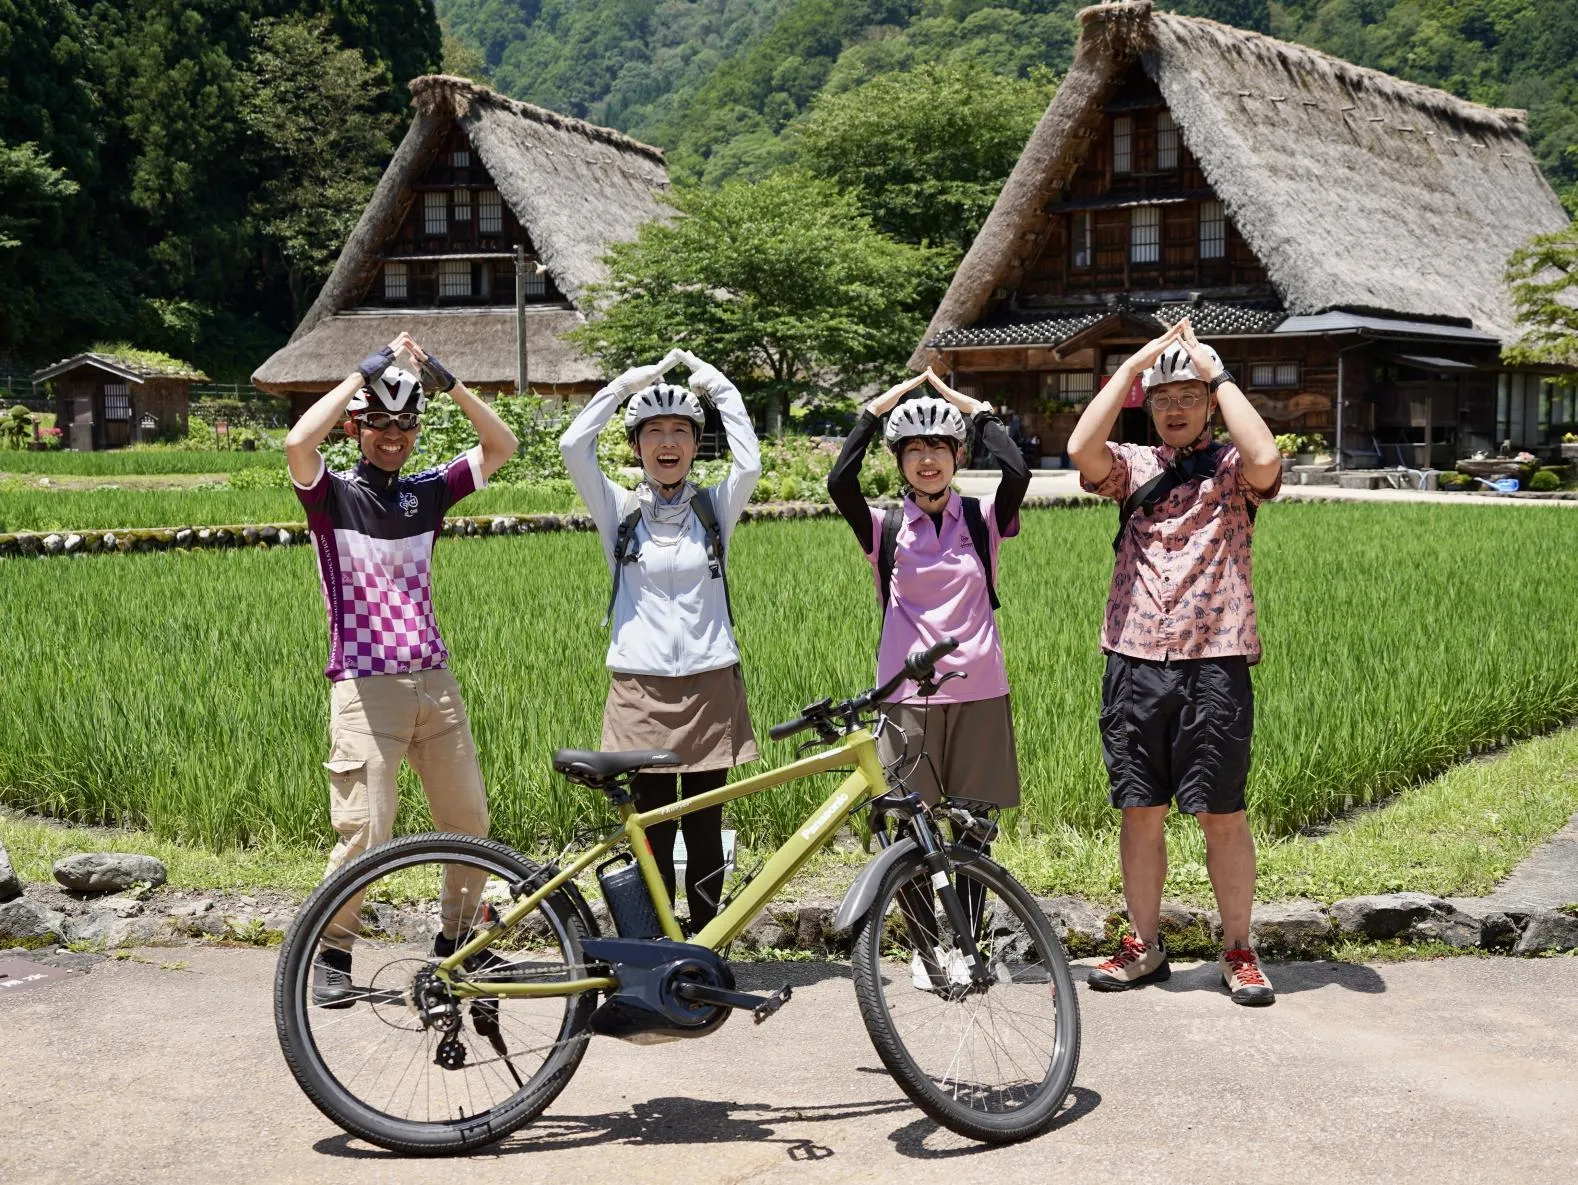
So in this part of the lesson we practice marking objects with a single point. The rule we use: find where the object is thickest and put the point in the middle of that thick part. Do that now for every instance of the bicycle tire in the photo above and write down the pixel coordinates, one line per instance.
(292, 984)
(1023, 1123)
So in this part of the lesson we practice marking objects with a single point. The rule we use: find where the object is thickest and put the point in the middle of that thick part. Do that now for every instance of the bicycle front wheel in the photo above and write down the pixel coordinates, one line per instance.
(388, 1050)
(991, 1062)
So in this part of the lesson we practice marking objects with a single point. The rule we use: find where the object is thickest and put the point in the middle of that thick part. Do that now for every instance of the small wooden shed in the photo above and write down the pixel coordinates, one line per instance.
(109, 400)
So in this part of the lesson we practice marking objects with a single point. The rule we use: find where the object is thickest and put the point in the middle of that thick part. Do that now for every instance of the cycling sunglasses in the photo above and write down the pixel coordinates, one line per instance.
(377, 421)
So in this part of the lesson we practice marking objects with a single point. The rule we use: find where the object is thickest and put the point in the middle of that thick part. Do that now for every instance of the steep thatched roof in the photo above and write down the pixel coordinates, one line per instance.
(477, 344)
(1353, 188)
(577, 188)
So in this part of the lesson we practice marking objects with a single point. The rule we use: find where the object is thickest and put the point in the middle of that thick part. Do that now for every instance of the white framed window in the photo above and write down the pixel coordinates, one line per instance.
(460, 211)
(454, 277)
(1074, 385)
(460, 159)
(397, 280)
(435, 212)
(1145, 234)
(490, 212)
(1079, 234)
(117, 401)
(1166, 141)
(1274, 374)
(1213, 230)
(1123, 144)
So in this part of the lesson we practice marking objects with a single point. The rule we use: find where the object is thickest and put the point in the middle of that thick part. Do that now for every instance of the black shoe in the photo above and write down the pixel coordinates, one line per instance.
(331, 980)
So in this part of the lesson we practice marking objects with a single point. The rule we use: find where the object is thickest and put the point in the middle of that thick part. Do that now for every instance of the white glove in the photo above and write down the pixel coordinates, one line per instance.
(705, 379)
(638, 378)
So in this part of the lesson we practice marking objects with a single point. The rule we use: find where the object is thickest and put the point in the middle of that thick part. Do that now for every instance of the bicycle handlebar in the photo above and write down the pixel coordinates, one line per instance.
(919, 667)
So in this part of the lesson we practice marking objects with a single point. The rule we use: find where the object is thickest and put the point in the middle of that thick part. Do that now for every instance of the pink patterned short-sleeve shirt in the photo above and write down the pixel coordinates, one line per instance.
(1181, 580)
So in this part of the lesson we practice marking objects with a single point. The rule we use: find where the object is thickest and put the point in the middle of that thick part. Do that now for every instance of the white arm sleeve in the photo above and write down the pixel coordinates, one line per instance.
(578, 446)
(733, 493)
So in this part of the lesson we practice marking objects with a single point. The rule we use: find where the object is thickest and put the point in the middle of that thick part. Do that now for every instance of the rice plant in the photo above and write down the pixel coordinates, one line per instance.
(180, 691)
(123, 462)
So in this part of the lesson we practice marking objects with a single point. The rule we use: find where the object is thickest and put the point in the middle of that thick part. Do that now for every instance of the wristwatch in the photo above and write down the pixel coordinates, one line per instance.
(1225, 377)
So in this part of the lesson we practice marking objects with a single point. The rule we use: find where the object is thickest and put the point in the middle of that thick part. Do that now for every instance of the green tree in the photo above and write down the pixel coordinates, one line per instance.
(318, 143)
(924, 152)
(782, 283)
(1544, 279)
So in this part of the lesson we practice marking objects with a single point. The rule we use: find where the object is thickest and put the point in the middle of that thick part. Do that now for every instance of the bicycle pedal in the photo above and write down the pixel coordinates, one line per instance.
(772, 1003)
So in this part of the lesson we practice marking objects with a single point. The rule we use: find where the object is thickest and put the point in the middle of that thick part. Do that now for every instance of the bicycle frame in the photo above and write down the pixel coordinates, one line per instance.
(866, 782)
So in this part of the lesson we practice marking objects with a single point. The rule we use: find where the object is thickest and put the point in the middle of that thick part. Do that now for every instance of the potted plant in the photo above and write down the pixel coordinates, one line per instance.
(1310, 449)
(1287, 445)
(1570, 446)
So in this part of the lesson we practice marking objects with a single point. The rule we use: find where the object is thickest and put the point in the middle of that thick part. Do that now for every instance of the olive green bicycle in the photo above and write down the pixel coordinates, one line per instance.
(962, 982)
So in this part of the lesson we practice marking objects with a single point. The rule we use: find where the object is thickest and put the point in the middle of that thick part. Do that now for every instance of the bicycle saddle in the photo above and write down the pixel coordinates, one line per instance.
(592, 768)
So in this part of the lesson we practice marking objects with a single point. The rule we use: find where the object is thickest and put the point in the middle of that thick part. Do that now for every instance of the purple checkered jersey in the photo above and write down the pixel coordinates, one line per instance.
(374, 532)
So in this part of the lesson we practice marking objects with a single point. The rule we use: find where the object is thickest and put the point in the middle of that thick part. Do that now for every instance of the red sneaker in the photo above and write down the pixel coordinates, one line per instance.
(1242, 976)
(1135, 964)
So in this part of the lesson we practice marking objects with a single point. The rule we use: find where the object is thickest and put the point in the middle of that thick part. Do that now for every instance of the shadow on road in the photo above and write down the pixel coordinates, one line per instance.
(1287, 978)
(660, 1121)
(910, 1140)
(765, 976)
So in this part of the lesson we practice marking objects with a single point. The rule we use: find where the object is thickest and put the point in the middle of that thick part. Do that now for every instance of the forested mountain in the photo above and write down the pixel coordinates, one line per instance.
(715, 82)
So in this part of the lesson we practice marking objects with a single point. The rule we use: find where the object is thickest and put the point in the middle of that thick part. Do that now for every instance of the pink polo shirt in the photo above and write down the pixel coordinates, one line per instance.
(939, 591)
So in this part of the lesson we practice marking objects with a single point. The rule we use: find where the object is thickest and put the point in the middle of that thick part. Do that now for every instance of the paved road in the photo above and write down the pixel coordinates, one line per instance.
(1451, 1072)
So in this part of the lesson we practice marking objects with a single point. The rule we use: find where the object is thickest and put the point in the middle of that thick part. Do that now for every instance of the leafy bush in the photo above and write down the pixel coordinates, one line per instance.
(1545, 481)
(261, 478)
(1455, 481)
(17, 427)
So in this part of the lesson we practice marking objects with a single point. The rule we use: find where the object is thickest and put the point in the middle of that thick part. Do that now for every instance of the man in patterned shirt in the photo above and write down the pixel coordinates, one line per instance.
(392, 695)
(1177, 705)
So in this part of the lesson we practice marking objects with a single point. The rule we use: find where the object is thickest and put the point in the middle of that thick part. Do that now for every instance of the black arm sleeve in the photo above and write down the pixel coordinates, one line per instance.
(1016, 474)
(843, 480)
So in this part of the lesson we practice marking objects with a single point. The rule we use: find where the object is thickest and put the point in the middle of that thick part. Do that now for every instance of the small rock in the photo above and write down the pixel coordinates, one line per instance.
(105, 928)
(268, 534)
(108, 540)
(812, 923)
(767, 934)
(68, 960)
(285, 537)
(10, 883)
(108, 872)
(29, 920)
(1545, 930)
(502, 526)
(191, 909)
(184, 537)
(122, 907)
(1385, 915)
(250, 534)
(1081, 925)
(73, 543)
(211, 924)
(1497, 931)
(205, 535)
(1294, 927)
(250, 902)
(1450, 925)
(28, 543)
(54, 544)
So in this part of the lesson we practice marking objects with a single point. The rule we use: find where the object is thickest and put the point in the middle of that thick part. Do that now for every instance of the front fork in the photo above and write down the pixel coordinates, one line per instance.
(915, 902)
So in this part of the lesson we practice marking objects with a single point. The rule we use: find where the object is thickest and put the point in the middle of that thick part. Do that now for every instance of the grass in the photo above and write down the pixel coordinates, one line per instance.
(30, 509)
(177, 692)
(134, 460)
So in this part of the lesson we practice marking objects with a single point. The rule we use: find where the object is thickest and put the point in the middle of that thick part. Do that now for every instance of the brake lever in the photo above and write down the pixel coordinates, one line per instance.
(927, 688)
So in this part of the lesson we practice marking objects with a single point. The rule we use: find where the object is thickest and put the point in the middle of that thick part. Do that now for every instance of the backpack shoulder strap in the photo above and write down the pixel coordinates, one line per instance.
(1159, 487)
(626, 548)
(981, 538)
(888, 545)
(707, 516)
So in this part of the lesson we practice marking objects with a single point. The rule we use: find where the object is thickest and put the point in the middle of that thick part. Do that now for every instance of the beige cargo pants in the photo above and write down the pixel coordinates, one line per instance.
(373, 722)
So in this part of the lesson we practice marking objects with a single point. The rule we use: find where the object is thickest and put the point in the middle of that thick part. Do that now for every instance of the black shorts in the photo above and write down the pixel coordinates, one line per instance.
(1178, 729)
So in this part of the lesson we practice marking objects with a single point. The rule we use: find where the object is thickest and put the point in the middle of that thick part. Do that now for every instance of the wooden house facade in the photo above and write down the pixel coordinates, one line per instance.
(1338, 235)
(105, 401)
(479, 185)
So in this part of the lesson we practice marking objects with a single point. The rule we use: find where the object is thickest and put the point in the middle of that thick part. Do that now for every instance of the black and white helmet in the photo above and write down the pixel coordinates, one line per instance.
(1175, 366)
(663, 399)
(394, 390)
(926, 415)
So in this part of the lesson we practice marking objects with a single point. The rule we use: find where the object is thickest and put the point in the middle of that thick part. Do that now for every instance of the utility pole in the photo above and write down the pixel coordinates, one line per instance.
(521, 382)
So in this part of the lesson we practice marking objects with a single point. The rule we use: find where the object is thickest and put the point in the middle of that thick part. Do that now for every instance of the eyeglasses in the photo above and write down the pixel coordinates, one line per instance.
(377, 421)
(1187, 401)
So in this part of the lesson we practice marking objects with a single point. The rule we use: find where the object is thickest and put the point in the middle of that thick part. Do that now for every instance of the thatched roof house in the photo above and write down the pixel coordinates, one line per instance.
(109, 398)
(1296, 204)
(434, 252)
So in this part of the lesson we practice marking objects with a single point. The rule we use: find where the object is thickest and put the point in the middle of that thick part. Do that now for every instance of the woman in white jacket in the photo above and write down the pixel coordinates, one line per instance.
(672, 658)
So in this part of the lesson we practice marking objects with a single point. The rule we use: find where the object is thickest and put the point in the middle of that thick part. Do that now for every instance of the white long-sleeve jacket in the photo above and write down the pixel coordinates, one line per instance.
(670, 617)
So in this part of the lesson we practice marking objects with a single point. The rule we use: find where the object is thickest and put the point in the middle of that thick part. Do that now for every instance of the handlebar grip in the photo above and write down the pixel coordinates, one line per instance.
(922, 664)
(788, 728)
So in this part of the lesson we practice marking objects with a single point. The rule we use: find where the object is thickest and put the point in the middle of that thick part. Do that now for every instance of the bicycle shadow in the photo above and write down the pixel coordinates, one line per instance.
(770, 976)
(910, 1140)
(659, 1122)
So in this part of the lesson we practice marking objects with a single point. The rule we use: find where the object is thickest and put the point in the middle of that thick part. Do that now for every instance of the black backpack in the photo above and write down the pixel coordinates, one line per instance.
(1182, 471)
(974, 521)
(627, 547)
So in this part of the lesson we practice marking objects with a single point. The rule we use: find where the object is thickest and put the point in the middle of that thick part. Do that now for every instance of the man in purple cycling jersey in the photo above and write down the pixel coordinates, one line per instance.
(392, 696)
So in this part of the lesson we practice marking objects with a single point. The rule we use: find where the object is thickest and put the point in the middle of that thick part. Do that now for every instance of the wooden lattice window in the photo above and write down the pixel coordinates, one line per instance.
(117, 401)
(454, 277)
(461, 211)
(397, 281)
(1123, 144)
(490, 213)
(1274, 374)
(460, 159)
(1145, 234)
(435, 212)
(1166, 141)
(1080, 237)
(1213, 231)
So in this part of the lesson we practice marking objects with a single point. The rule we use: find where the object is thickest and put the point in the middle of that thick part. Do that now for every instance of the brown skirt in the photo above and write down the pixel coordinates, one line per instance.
(703, 718)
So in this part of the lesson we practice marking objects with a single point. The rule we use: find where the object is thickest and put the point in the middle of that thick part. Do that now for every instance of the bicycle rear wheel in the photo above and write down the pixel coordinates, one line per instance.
(393, 1056)
(994, 1062)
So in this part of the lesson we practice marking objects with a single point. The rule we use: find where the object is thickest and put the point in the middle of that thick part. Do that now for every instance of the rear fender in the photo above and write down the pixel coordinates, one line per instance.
(864, 891)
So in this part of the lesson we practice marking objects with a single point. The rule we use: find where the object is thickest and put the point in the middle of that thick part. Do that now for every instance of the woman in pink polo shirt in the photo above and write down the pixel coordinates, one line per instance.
(940, 578)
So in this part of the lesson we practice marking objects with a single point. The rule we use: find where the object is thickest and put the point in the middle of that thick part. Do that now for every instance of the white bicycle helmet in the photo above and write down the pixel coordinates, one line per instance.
(926, 415)
(663, 399)
(394, 390)
(1175, 366)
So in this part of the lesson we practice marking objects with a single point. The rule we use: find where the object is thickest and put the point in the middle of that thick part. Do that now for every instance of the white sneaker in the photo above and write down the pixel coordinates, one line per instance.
(957, 966)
